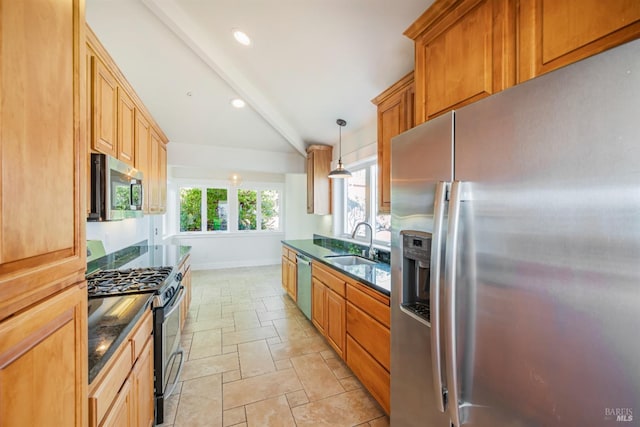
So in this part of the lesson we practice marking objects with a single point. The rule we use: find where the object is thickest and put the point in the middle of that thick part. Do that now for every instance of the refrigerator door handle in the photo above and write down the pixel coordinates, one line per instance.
(434, 297)
(450, 304)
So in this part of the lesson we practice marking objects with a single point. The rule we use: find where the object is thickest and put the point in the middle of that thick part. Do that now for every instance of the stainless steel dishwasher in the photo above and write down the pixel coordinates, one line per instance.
(304, 284)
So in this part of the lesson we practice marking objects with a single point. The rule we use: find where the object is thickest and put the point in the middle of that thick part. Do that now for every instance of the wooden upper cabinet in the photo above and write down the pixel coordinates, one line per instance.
(126, 128)
(395, 115)
(555, 33)
(318, 183)
(464, 51)
(42, 151)
(104, 109)
(142, 161)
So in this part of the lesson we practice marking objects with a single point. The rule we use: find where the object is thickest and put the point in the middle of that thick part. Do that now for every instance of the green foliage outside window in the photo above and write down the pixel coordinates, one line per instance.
(270, 209)
(217, 206)
(190, 209)
(247, 209)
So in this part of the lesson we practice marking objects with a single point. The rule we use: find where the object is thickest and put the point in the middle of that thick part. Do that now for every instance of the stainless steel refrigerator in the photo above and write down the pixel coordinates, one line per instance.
(516, 255)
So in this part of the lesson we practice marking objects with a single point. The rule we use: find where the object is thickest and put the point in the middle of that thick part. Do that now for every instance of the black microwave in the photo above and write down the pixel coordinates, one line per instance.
(116, 189)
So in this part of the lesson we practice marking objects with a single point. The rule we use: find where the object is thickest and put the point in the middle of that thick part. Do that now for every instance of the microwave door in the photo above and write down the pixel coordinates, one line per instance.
(136, 192)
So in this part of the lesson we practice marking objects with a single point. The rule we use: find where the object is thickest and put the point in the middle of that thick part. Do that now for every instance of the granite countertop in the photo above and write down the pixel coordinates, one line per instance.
(110, 321)
(112, 318)
(377, 276)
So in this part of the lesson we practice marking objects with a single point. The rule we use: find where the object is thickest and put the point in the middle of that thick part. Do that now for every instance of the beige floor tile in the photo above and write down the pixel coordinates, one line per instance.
(170, 409)
(201, 402)
(255, 359)
(207, 324)
(274, 340)
(339, 368)
(345, 409)
(206, 343)
(283, 364)
(297, 398)
(229, 349)
(258, 388)
(350, 383)
(234, 416)
(272, 412)
(210, 365)
(316, 377)
(328, 354)
(248, 335)
(380, 422)
(289, 349)
(230, 376)
(289, 329)
(246, 320)
(272, 315)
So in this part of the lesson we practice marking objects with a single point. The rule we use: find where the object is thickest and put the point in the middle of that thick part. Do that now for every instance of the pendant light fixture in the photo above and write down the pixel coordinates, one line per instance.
(340, 172)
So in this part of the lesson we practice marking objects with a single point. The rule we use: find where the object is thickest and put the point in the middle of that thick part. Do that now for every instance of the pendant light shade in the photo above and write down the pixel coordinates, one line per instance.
(340, 172)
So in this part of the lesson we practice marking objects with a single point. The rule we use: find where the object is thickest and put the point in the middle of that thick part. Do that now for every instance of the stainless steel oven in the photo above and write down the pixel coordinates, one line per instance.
(169, 355)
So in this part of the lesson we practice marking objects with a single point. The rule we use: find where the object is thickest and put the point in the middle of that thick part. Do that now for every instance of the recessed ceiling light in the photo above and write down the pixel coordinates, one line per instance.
(241, 37)
(238, 103)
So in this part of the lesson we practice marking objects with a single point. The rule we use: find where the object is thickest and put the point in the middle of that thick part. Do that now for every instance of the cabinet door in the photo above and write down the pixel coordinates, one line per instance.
(141, 161)
(43, 363)
(143, 391)
(162, 178)
(42, 151)
(285, 273)
(310, 175)
(465, 56)
(154, 183)
(335, 315)
(293, 280)
(126, 128)
(554, 33)
(122, 411)
(318, 305)
(104, 109)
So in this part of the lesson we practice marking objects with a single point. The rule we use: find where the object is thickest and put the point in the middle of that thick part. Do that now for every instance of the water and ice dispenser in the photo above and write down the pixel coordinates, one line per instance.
(416, 260)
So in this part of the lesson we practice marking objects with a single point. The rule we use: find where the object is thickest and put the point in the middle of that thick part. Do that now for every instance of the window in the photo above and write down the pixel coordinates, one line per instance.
(360, 204)
(258, 207)
(214, 209)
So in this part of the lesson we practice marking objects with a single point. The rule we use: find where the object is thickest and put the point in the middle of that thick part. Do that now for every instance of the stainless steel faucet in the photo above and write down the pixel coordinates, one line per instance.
(371, 253)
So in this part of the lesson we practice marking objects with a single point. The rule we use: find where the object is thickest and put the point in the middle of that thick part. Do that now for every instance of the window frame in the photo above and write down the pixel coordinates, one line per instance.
(371, 203)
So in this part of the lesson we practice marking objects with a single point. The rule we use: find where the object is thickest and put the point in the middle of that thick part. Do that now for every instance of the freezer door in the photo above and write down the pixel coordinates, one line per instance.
(420, 159)
(548, 262)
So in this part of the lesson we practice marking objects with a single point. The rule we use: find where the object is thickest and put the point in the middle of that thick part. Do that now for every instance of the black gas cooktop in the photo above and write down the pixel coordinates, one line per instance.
(127, 281)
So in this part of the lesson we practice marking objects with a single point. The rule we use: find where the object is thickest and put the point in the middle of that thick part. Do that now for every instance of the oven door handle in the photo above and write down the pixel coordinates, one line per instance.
(169, 390)
(176, 302)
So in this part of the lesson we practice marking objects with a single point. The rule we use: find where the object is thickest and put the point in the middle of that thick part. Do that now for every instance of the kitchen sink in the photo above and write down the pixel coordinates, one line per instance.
(349, 260)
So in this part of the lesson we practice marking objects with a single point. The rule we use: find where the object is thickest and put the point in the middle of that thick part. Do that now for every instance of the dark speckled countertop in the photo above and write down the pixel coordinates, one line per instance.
(112, 318)
(376, 276)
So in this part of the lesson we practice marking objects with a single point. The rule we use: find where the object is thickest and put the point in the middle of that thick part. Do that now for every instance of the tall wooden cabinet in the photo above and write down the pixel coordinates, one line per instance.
(42, 240)
(395, 115)
(318, 183)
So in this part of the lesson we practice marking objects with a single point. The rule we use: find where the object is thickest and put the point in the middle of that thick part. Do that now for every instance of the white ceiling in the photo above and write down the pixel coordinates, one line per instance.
(311, 61)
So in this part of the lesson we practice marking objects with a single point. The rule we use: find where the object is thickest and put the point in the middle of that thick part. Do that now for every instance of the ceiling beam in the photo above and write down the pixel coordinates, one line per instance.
(179, 22)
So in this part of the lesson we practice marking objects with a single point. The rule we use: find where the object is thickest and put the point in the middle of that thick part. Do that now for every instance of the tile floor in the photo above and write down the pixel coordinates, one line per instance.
(253, 359)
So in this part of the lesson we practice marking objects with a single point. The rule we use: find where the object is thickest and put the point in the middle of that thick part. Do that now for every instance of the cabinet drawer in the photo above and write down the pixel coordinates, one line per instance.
(376, 305)
(374, 377)
(116, 371)
(370, 334)
(332, 281)
(285, 252)
(141, 335)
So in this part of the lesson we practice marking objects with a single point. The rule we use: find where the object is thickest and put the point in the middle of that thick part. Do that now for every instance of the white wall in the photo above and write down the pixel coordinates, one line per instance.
(358, 146)
(298, 223)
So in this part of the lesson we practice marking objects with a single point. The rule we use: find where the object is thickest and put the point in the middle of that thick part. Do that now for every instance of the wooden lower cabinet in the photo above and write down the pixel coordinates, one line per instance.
(318, 301)
(371, 373)
(122, 410)
(123, 393)
(143, 391)
(328, 309)
(290, 273)
(43, 363)
(185, 269)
